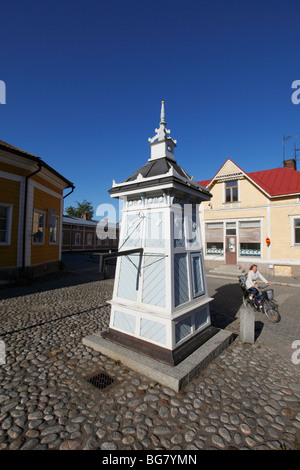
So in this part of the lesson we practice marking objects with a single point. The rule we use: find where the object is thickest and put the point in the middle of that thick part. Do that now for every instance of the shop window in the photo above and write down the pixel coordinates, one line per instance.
(231, 191)
(38, 230)
(250, 249)
(214, 236)
(230, 228)
(250, 238)
(5, 224)
(214, 248)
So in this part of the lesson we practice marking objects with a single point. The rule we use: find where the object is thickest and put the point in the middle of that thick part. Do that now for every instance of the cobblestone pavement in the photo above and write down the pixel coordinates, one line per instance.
(247, 398)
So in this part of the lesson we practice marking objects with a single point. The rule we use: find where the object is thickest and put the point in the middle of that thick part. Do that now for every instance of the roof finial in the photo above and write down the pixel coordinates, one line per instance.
(162, 133)
(162, 113)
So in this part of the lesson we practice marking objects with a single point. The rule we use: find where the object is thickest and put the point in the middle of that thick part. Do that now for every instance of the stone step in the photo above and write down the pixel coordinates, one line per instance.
(229, 269)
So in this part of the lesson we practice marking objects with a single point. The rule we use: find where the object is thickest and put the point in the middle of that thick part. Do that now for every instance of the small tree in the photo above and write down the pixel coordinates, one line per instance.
(83, 207)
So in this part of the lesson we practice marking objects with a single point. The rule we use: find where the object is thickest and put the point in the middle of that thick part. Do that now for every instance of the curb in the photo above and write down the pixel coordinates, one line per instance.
(277, 283)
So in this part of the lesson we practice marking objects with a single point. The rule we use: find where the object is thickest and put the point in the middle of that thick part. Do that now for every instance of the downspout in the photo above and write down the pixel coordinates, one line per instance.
(71, 241)
(25, 210)
(73, 187)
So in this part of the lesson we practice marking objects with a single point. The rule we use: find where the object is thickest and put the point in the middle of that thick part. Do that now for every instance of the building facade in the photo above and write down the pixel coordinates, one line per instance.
(80, 234)
(31, 209)
(253, 218)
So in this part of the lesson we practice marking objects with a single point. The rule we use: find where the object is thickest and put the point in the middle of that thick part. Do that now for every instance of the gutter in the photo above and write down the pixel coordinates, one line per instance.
(71, 231)
(25, 209)
(73, 187)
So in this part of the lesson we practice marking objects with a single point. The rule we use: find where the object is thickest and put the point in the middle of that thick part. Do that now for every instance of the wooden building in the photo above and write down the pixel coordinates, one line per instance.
(31, 209)
(80, 234)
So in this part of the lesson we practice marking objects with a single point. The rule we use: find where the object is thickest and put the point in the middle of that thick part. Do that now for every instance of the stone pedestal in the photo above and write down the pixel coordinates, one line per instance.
(247, 325)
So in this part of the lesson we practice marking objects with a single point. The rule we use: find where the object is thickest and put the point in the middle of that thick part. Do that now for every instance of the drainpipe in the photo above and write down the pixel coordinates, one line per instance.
(71, 236)
(25, 210)
(73, 187)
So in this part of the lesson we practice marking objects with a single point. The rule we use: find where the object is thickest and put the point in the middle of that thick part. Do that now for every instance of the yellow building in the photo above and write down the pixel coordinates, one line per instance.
(31, 214)
(253, 218)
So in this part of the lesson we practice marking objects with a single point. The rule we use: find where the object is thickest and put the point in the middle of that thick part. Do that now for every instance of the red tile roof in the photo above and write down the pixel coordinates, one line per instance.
(275, 182)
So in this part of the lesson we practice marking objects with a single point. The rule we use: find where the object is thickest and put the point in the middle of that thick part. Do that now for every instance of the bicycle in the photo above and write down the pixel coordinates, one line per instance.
(269, 306)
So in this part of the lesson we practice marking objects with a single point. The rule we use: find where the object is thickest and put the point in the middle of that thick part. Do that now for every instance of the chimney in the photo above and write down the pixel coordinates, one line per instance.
(291, 163)
(84, 216)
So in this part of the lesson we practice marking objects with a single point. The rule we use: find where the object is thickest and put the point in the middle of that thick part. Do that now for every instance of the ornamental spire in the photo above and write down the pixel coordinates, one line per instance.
(162, 132)
(162, 113)
(162, 145)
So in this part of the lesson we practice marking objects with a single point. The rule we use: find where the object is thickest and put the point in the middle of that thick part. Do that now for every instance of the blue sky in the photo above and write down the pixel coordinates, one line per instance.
(85, 79)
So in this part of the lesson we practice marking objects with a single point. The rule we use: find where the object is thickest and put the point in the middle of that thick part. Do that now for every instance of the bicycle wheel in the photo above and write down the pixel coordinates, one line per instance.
(271, 310)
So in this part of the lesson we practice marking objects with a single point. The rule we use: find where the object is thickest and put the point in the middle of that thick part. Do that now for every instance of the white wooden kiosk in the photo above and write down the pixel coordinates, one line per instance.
(160, 305)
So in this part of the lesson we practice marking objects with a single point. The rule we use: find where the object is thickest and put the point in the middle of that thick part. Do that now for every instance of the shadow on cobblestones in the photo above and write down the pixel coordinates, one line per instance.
(226, 304)
(77, 269)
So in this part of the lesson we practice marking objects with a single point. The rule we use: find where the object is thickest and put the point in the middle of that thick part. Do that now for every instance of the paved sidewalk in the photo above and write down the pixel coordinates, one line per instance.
(228, 300)
(247, 398)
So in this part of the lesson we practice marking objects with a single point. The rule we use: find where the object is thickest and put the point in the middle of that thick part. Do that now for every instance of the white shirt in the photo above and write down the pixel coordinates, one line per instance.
(252, 278)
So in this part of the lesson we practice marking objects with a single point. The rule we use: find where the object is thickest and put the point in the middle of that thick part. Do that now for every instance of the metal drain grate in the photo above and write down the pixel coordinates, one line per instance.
(101, 380)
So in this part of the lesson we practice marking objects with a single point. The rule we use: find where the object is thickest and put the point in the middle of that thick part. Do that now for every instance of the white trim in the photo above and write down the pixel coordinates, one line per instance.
(75, 235)
(40, 212)
(8, 224)
(269, 229)
(227, 176)
(292, 222)
(248, 208)
(45, 189)
(237, 203)
(58, 231)
(19, 161)
(11, 176)
(21, 180)
(222, 257)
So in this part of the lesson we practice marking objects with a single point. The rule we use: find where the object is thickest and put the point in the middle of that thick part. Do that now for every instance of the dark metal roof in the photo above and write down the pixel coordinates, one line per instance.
(158, 168)
(10, 148)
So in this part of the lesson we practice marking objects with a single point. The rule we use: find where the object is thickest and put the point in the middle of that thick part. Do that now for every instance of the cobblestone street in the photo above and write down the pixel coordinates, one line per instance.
(247, 398)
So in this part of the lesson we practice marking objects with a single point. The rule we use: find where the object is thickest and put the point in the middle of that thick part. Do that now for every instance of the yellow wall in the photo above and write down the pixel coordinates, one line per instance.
(45, 252)
(42, 200)
(254, 203)
(228, 167)
(10, 194)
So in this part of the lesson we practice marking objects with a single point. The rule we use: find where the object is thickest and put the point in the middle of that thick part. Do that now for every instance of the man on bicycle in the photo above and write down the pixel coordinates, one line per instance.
(251, 284)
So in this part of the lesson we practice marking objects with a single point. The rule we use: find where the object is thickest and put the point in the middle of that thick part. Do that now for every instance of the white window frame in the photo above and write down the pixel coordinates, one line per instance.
(7, 241)
(75, 241)
(224, 191)
(89, 239)
(40, 212)
(56, 218)
(243, 257)
(221, 255)
(199, 256)
(292, 222)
